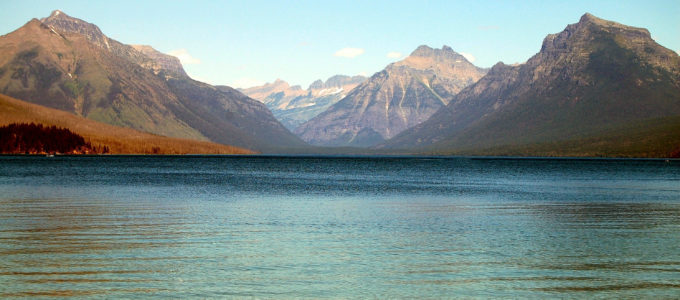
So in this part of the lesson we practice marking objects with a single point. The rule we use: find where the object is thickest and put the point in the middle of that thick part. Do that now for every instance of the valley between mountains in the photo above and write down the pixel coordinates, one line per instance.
(598, 88)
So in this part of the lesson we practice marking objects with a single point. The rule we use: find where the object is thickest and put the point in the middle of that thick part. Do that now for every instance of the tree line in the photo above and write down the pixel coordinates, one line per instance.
(34, 138)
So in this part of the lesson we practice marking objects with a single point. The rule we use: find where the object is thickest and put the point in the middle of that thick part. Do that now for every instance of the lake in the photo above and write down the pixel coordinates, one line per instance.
(338, 227)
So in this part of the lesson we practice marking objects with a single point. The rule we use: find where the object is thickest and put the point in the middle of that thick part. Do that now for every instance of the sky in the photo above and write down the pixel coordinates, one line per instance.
(250, 42)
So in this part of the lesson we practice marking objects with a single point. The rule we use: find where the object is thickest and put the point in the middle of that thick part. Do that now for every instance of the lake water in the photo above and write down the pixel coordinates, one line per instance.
(305, 227)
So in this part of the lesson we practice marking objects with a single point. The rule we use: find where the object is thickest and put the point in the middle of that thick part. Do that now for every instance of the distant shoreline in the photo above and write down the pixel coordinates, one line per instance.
(351, 156)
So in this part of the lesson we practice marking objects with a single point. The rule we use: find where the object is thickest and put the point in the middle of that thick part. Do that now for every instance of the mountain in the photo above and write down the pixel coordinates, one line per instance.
(160, 62)
(401, 96)
(292, 105)
(279, 86)
(117, 140)
(69, 64)
(587, 85)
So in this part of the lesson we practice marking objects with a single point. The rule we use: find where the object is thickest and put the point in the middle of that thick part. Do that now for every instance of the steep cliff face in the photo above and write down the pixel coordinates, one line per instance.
(161, 62)
(69, 64)
(401, 96)
(594, 75)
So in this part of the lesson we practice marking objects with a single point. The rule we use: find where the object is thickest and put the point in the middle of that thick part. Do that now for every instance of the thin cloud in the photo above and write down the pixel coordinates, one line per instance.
(468, 56)
(393, 54)
(349, 52)
(184, 57)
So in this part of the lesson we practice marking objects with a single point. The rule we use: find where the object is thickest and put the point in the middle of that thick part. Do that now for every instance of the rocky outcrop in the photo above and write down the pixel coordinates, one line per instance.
(161, 62)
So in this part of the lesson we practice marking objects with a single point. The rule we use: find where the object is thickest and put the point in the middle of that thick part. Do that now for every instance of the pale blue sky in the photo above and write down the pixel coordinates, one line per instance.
(251, 42)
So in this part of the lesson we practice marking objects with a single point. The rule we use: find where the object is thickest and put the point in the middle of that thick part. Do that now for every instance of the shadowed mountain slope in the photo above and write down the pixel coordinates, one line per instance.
(594, 77)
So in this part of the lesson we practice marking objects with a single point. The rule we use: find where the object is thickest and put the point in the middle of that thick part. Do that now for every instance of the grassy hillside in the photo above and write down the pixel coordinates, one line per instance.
(118, 140)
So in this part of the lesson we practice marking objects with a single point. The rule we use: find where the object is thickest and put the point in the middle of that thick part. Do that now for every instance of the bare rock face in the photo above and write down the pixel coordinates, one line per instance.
(161, 62)
(292, 105)
(404, 94)
(65, 24)
(593, 75)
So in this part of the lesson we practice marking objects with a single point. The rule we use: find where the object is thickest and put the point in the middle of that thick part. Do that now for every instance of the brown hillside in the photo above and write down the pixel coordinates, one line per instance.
(118, 140)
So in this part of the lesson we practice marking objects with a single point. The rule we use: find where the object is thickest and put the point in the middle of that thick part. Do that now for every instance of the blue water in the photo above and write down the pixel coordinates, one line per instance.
(305, 227)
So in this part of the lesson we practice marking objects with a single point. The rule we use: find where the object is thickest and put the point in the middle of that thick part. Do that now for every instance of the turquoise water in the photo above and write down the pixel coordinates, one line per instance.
(305, 227)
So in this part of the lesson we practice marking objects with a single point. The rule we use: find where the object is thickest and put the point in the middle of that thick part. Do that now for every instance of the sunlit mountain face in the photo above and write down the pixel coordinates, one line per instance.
(69, 64)
(399, 97)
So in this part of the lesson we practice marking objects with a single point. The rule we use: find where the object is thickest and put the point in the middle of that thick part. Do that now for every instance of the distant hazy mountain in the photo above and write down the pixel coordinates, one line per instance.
(403, 95)
(69, 64)
(596, 88)
(293, 106)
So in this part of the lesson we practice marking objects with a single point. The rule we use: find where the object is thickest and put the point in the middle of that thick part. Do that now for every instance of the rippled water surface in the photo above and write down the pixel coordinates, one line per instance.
(304, 227)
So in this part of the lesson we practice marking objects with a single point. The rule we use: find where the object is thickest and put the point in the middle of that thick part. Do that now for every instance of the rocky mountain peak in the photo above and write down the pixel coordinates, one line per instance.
(580, 33)
(317, 84)
(56, 13)
(427, 51)
(428, 63)
(33, 23)
(64, 23)
(422, 50)
(611, 26)
(144, 56)
(589, 18)
(337, 81)
(573, 46)
(278, 86)
(443, 60)
(498, 68)
(160, 61)
(279, 83)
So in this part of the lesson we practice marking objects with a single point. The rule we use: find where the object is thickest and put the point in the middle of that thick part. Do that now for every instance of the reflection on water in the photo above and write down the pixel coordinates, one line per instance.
(214, 227)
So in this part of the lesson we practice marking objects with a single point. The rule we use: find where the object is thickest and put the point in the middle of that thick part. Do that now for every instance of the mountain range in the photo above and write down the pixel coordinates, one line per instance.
(69, 64)
(399, 97)
(292, 105)
(598, 88)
